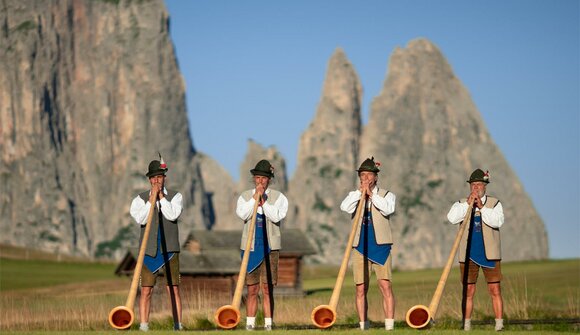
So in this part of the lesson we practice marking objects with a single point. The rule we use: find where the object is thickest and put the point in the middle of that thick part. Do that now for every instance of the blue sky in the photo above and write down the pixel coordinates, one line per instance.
(254, 69)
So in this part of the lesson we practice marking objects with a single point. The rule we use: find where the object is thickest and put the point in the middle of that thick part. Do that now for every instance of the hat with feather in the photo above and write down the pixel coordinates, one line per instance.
(157, 167)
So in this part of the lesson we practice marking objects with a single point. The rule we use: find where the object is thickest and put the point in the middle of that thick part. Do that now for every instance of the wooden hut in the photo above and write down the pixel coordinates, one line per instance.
(210, 262)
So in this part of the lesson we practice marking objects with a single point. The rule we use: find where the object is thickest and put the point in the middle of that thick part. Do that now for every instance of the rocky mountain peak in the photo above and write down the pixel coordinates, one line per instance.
(90, 93)
(341, 85)
(430, 136)
(327, 160)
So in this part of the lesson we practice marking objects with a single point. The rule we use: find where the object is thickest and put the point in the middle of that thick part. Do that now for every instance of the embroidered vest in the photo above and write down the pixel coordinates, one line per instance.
(272, 228)
(169, 228)
(491, 236)
(381, 224)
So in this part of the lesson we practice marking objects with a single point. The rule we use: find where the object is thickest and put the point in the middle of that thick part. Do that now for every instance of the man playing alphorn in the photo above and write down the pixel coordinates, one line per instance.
(485, 246)
(169, 203)
(266, 244)
(372, 242)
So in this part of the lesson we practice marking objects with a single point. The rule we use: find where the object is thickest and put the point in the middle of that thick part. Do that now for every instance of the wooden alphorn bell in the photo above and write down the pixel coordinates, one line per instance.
(228, 316)
(419, 316)
(121, 317)
(324, 316)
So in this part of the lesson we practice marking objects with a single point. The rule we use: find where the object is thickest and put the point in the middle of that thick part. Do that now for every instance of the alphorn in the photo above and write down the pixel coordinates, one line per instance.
(419, 316)
(228, 316)
(121, 317)
(324, 316)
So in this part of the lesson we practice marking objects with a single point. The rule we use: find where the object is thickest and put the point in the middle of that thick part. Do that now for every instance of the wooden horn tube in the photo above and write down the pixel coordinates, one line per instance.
(121, 317)
(324, 316)
(228, 316)
(419, 316)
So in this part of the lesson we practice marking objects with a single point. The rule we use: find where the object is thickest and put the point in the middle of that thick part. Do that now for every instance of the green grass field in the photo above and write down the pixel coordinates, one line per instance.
(39, 295)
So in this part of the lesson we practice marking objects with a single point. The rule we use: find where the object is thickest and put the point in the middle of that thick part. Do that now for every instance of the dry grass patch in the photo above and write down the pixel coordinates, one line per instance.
(531, 290)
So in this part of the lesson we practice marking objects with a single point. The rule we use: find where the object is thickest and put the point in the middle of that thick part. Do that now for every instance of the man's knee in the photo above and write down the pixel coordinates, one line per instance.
(253, 289)
(360, 290)
(470, 291)
(266, 289)
(385, 286)
(146, 292)
(494, 289)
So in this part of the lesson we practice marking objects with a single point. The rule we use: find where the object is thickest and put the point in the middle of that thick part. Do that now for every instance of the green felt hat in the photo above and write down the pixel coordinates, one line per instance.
(369, 165)
(479, 175)
(157, 167)
(263, 168)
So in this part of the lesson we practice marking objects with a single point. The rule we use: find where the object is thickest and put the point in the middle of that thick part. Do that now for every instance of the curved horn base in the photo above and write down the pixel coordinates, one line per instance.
(418, 317)
(323, 316)
(121, 317)
(227, 317)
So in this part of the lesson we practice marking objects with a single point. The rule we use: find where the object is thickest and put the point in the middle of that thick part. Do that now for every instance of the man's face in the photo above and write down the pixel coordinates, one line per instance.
(478, 187)
(261, 181)
(367, 177)
(159, 179)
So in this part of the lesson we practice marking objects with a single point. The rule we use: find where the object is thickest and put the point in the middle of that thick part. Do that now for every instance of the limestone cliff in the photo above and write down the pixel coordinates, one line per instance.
(220, 191)
(429, 137)
(327, 159)
(90, 91)
(427, 132)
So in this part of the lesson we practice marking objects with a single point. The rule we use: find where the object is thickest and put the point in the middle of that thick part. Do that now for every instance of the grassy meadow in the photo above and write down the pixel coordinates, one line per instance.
(39, 294)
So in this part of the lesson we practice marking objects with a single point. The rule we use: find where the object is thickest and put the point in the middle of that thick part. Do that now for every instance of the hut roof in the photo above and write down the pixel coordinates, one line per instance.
(223, 262)
(293, 241)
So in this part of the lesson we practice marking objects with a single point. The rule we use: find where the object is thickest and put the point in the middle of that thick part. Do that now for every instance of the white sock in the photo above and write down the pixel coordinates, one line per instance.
(467, 324)
(364, 325)
(389, 324)
(251, 320)
(267, 321)
(144, 326)
(498, 324)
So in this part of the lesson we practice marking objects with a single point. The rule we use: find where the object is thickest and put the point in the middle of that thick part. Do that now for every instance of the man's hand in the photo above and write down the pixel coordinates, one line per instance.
(365, 189)
(478, 203)
(153, 194)
(156, 192)
(258, 195)
(475, 200)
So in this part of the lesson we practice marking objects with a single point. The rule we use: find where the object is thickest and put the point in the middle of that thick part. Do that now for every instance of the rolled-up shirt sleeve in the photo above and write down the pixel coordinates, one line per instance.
(245, 208)
(493, 217)
(457, 212)
(172, 209)
(386, 204)
(278, 210)
(350, 202)
(139, 210)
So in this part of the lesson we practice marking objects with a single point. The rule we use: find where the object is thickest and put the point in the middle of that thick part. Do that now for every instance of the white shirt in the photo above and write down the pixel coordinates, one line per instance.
(493, 217)
(275, 212)
(170, 210)
(385, 205)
